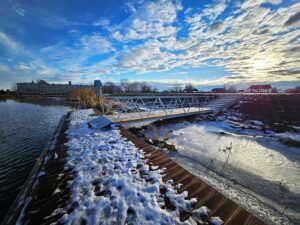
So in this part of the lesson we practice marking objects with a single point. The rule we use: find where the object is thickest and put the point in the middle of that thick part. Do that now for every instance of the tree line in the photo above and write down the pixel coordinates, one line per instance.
(126, 86)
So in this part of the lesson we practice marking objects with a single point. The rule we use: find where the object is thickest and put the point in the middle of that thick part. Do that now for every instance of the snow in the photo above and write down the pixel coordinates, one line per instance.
(201, 213)
(246, 158)
(216, 221)
(113, 182)
(20, 220)
(289, 135)
(256, 122)
(204, 142)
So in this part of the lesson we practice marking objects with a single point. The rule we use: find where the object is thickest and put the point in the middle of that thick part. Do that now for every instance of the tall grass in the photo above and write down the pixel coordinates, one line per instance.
(86, 98)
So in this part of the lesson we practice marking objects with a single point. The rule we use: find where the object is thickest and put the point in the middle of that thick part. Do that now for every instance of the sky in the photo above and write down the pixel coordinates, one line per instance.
(165, 42)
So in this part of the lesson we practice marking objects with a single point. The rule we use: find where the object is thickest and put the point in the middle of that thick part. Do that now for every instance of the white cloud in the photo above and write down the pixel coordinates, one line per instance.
(149, 20)
(70, 60)
(18, 10)
(131, 7)
(253, 3)
(4, 68)
(248, 38)
(7, 42)
(95, 44)
(197, 21)
(217, 27)
(101, 23)
(232, 39)
(213, 11)
(50, 48)
(22, 66)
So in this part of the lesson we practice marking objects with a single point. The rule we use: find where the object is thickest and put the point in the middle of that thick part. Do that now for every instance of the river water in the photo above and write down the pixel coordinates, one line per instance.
(254, 165)
(25, 128)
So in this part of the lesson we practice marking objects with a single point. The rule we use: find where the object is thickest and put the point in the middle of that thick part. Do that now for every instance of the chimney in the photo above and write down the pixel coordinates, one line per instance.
(70, 83)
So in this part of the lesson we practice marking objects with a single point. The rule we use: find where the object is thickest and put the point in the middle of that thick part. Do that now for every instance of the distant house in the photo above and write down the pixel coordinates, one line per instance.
(218, 90)
(265, 88)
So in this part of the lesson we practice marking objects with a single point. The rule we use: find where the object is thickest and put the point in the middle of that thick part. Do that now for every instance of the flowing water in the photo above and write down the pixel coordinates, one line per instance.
(261, 165)
(25, 128)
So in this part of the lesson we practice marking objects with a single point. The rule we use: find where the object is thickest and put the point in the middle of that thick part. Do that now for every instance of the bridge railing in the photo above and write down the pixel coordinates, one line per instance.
(124, 108)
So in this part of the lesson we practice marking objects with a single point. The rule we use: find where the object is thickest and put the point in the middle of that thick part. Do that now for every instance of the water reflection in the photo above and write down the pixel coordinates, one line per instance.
(26, 127)
(258, 163)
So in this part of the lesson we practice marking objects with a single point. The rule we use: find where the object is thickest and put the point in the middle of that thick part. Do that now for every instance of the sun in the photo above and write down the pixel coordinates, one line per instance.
(259, 64)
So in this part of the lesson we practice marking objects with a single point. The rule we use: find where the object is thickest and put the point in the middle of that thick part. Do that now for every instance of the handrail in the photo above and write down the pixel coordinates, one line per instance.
(145, 107)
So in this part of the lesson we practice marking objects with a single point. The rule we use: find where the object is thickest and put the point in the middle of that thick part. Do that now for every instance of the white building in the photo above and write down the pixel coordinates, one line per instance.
(49, 89)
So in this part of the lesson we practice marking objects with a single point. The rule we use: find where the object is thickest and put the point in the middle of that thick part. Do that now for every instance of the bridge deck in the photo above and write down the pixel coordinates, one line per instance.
(157, 114)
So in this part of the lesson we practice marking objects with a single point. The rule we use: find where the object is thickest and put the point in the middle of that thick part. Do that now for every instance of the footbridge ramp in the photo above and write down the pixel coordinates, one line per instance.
(122, 109)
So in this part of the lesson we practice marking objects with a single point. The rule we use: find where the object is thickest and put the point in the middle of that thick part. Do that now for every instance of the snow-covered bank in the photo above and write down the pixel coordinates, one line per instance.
(112, 182)
(244, 158)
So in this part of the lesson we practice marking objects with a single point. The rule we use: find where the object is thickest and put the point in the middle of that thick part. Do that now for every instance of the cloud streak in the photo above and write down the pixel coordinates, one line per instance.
(251, 41)
(7, 42)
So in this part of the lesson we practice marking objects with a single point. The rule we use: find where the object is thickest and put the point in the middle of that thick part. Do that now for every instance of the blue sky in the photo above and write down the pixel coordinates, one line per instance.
(164, 42)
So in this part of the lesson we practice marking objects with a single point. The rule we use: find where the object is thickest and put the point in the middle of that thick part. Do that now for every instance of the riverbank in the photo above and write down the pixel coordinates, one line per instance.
(247, 159)
(100, 175)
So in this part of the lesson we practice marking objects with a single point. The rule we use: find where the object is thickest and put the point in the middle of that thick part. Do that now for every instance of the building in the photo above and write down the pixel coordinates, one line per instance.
(49, 89)
(218, 90)
(265, 88)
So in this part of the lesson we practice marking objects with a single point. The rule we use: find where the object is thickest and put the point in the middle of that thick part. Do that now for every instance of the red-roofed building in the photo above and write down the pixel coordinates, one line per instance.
(265, 88)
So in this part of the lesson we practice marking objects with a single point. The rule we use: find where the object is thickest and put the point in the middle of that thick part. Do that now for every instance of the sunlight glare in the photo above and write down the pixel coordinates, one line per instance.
(260, 64)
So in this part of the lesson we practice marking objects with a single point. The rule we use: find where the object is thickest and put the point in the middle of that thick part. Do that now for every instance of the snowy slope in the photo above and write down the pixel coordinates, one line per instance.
(112, 182)
(244, 157)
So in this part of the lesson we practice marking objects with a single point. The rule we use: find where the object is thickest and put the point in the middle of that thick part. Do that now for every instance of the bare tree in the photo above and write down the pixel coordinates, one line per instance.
(145, 87)
(134, 87)
(189, 88)
(124, 83)
(231, 89)
(176, 88)
(111, 88)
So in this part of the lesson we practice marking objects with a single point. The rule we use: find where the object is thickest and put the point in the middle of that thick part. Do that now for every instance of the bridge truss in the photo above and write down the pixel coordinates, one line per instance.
(129, 108)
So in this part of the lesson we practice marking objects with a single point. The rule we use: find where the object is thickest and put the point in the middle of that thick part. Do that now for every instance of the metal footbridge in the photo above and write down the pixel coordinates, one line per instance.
(134, 108)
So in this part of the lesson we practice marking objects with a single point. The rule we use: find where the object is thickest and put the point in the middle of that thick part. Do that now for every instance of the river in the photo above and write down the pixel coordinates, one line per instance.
(26, 126)
(243, 164)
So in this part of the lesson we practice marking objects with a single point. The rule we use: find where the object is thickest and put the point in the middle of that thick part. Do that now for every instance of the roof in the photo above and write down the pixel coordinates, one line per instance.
(264, 86)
